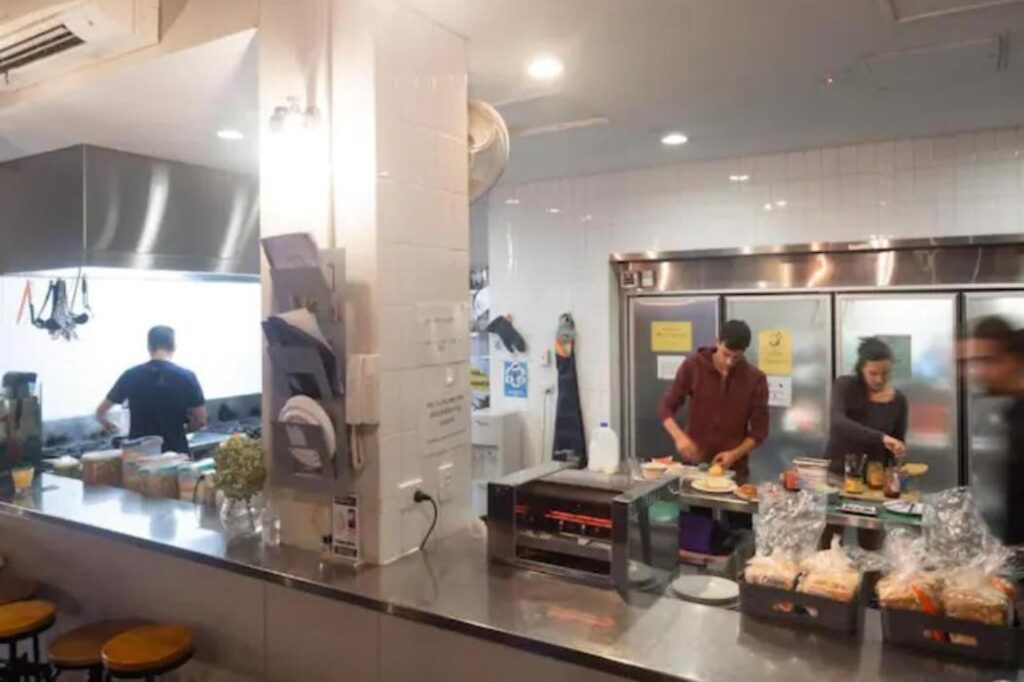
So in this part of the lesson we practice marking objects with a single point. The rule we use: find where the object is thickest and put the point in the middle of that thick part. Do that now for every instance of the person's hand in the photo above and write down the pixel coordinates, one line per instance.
(110, 428)
(727, 460)
(895, 446)
(687, 449)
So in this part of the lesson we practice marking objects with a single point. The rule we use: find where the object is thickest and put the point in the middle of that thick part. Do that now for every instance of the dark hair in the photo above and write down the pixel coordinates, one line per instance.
(994, 328)
(1016, 345)
(735, 334)
(161, 338)
(872, 349)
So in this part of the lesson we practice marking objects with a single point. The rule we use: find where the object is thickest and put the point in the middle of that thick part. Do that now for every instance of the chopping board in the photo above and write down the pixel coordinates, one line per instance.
(870, 495)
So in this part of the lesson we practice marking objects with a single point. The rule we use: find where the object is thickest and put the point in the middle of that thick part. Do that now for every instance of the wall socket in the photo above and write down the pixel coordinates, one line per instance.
(406, 491)
(445, 482)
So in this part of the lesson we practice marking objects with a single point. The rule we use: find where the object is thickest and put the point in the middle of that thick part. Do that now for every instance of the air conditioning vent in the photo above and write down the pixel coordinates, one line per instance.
(40, 46)
(57, 37)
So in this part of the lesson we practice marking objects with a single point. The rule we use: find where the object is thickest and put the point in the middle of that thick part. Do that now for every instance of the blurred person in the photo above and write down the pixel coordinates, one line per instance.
(994, 355)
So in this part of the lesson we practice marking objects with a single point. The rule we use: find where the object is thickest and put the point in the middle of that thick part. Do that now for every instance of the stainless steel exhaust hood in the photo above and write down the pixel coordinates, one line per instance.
(92, 207)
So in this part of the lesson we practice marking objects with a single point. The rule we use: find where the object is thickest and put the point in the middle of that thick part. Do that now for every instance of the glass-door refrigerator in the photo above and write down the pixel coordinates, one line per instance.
(662, 332)
(792, 344)
(987, 455)
(921, 330)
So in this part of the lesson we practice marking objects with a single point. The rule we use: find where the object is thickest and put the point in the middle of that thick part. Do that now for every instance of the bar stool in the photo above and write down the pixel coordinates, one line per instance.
(148, 651)
(82, 648)
(19, 622)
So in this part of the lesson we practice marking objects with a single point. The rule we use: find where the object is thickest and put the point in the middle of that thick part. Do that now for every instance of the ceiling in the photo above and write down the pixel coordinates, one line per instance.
(170, 106)
(737, 76)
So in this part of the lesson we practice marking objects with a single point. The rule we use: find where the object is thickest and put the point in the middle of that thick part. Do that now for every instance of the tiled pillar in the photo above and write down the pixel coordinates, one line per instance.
(397, 130)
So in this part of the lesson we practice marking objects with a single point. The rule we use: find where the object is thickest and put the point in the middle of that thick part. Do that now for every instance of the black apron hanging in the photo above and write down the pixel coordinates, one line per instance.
(569, 433)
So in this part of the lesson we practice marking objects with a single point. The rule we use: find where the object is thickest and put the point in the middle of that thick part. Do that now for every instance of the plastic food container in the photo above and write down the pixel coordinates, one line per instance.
(102, 467)
(189, 476)
(159, 478)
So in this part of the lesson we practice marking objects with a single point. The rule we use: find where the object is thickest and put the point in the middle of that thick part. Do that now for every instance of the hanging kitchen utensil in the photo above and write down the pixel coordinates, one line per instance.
(62, 322)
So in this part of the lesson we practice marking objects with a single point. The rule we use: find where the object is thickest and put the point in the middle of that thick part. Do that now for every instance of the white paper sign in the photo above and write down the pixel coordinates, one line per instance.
(668, 365)
(780, 391)
(345, 528)
(442, 331)
(444, 421)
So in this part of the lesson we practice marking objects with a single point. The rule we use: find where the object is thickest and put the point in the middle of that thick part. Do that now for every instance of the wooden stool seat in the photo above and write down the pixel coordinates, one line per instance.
(24, 619)
(15, 588)
(149, 649)
(83, 647)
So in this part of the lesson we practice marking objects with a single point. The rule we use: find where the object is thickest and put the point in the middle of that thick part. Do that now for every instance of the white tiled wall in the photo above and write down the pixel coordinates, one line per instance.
(217, 325)
(423, 252)
(549, 242)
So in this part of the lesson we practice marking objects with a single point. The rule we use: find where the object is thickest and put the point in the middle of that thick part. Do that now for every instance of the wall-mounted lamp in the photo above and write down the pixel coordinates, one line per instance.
(294, 118)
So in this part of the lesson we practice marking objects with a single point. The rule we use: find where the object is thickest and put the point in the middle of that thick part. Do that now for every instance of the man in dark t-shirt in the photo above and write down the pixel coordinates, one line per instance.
(161, 396)
(995, 356)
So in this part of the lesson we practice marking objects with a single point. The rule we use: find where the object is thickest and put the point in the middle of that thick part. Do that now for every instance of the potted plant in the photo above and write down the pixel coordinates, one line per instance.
(239, 477)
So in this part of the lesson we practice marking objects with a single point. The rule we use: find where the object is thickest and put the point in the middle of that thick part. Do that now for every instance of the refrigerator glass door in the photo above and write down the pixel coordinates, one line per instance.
(987, 457)
(792, 344)
(663, 330)
(921, 329)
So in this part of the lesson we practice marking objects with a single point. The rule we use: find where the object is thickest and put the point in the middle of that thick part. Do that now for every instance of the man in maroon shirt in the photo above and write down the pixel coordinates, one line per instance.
(728, 403)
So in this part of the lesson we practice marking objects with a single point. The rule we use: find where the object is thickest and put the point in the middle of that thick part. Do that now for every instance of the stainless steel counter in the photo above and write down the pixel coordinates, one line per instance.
(453, 586)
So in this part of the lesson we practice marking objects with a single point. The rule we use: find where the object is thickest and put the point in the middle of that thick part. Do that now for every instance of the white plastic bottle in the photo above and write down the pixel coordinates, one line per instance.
(603, 452)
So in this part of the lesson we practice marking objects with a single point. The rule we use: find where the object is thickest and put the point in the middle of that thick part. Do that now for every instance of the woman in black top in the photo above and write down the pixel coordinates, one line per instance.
(869, 416)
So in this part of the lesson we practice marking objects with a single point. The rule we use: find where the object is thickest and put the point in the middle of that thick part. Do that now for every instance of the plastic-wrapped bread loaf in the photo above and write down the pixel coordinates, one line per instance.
(837, 586)
(774, 571)
(917, 591)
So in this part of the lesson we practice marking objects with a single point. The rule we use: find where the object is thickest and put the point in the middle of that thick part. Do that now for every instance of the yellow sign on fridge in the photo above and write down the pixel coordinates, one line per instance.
(671, 337)
(775, 352)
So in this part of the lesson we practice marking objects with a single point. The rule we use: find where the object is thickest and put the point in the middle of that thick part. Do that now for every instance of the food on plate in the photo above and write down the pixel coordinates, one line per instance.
(653, 469)
(772, 571)
(914, 469)
(667, 461)
(918, 591)
(712, 484)
(715, 470)
(984, 603)
(747, 491)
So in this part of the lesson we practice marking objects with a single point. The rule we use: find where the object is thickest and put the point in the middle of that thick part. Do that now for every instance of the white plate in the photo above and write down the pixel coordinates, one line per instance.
(313, 408)
(727, 486)
(309, 459)
(904, 508)
(707, 589)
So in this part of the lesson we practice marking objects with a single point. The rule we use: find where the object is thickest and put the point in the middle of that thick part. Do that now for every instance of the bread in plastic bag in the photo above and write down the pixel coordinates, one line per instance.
(786, 529)
(830, 573)
(909, 584)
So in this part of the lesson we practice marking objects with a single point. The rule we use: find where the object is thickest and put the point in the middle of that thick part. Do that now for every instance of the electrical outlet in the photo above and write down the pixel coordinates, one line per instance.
(406, 491)
(445, 482)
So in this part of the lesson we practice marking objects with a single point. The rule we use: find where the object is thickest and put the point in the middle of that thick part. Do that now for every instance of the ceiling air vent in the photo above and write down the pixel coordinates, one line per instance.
(45, 44)
(45, 39)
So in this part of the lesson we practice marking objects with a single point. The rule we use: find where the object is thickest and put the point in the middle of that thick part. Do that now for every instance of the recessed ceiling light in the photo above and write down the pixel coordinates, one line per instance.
(768, 207)
(739, 178)
(674, 139)
(830, 80)
(554, 210)
(230, 134)
(781, 203)
(545, 68)
(512, 202)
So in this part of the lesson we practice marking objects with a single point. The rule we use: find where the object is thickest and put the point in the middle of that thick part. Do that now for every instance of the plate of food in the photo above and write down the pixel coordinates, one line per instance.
(914, 469)
(746, 492)
(714, 484)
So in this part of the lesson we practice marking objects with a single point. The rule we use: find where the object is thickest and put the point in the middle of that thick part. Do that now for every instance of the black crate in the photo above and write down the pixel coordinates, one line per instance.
(803, 610)
(952, 636)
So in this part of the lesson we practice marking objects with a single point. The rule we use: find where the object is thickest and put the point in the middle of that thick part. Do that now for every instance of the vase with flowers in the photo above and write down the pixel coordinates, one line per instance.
(239, 477)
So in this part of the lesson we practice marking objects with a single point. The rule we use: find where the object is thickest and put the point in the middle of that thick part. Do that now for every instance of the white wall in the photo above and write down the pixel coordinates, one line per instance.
(544, 262)
(217, 325)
